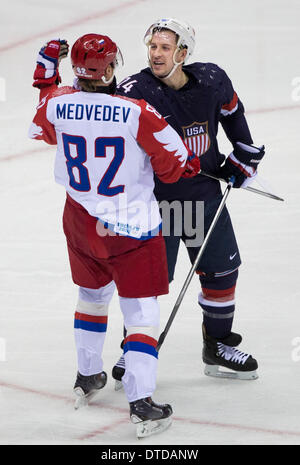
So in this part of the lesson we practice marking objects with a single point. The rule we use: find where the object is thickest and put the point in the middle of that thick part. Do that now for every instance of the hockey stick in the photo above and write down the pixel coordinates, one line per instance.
(192, 270)
(248, 188)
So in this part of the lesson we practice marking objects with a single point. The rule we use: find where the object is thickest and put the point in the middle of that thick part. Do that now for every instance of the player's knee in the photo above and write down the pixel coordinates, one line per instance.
(95, 301)
(219, 287)
(103, 295)
(91, 308)
(140, 312)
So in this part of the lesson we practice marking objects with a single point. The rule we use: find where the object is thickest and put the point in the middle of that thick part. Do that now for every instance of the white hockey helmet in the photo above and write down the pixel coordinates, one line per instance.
(185, 33)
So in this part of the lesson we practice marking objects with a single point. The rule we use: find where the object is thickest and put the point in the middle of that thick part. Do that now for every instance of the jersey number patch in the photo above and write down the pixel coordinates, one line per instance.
(78, 173)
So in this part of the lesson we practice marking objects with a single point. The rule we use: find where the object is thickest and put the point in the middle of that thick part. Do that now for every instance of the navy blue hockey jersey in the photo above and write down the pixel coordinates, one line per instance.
(194, 111)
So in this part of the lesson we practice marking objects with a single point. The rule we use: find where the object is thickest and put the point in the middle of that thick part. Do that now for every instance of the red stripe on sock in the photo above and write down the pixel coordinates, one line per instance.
(91, 318)
(141, 338)
(219, 295)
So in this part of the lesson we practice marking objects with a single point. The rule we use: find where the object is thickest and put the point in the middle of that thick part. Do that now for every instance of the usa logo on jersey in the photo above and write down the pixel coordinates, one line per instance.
(196, 137)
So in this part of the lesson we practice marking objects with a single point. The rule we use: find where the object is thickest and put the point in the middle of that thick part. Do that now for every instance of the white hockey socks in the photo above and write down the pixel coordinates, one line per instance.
(90, 325)
(141, 319)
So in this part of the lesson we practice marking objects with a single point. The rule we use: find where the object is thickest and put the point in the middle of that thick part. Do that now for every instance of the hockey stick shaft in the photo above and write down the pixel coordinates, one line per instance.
(248, 188)
(193, 268)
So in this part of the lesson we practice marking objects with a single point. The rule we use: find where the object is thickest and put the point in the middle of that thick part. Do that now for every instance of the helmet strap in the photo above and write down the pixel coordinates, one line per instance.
(176, 64)
(108, 81)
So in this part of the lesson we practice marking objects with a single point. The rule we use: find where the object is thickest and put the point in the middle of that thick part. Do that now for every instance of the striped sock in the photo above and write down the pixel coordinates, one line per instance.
(90, 324)
(140, 356)
(218, 303)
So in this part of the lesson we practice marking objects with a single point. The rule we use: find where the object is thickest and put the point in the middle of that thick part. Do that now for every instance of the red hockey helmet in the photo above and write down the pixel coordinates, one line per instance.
(92, 53)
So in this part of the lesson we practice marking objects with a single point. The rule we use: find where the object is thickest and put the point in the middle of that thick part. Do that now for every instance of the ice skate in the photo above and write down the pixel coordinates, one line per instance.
(222, 353)
(86, 387)
(117, 373)
(150, 418)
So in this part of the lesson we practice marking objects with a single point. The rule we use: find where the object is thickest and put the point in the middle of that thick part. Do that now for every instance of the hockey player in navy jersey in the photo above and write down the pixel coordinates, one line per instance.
(194, 99)
(107, 149)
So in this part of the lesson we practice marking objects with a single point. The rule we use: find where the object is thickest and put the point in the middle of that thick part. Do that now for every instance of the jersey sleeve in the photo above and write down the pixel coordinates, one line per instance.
(167, 151)
(42, 127)
(232, 115)
(228, 97)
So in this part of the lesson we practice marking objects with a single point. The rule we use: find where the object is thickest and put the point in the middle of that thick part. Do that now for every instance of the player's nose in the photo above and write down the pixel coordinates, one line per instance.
(157, 53)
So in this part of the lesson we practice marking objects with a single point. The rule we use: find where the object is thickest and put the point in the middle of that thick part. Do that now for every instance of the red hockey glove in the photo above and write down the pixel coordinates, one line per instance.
(49, 57)
(192, 166)
(242, 164)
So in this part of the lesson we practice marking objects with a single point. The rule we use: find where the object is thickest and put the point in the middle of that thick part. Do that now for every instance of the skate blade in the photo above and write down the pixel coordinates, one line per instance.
(82, 399)
(214, 371)
(147, 428)
(118, 385)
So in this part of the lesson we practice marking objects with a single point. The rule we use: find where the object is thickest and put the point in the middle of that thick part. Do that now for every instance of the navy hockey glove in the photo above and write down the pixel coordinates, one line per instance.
(242, 164)
(49, 57)
(192, 166)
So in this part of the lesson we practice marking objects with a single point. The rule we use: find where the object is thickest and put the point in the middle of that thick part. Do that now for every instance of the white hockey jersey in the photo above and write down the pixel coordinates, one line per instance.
(107, 149)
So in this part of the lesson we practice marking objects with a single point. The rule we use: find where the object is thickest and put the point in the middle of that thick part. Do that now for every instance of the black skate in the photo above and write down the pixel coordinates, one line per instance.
(86, 387)
(222, 353)
(150, 418)
(118, 372)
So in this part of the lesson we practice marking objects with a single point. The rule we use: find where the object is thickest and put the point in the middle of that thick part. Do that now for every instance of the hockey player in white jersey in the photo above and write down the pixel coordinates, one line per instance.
(107, 149)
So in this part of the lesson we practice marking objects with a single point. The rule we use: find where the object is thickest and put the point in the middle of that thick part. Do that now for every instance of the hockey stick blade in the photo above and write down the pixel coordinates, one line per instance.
(247, 188)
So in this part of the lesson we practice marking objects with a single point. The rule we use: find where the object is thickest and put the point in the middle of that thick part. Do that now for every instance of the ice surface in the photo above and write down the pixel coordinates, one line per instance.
(257, 43)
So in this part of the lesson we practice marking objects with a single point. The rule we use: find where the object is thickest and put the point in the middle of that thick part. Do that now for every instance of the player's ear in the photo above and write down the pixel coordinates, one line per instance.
(108, 72)
(181, 55)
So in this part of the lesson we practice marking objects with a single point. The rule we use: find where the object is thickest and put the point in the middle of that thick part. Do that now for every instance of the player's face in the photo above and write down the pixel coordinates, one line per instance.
(161, 52)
